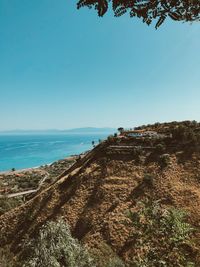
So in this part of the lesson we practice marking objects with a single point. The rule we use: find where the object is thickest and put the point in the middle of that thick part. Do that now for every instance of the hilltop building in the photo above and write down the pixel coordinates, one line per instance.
(139, 133)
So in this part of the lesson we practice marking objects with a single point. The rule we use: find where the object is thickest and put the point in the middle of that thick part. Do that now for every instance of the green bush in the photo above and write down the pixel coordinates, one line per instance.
(174, 222)
(160, 236)
(164, 160)
(55, 247)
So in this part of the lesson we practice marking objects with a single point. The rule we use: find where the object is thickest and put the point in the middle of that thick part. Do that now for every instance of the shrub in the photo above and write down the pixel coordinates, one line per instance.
(160, 148)
(148, 178)
(159, 236)
(55, 247)
(164, 160)
(174, 222)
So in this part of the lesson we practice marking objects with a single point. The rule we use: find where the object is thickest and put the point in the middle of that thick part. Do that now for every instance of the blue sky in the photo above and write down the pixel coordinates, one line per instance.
(64, 68)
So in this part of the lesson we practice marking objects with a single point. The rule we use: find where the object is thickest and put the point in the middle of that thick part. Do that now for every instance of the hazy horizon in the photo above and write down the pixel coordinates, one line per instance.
(82, 128)
(70, 130)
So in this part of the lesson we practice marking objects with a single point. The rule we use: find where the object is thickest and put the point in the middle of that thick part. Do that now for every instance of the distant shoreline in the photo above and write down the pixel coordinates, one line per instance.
(29, 169)
(32, 151)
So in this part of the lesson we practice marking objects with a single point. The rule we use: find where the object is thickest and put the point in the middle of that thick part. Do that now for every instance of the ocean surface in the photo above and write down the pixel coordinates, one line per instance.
(26, 151)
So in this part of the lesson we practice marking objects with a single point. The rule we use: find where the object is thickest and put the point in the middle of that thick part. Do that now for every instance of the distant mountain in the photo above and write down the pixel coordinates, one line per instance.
(91, 130)
(85, 130)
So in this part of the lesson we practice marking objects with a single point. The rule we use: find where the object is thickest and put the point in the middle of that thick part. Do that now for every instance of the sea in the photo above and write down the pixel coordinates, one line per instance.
(21, 151)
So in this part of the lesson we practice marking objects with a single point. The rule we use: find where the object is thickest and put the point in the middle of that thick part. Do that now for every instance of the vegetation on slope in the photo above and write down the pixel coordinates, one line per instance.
(161, 236)
(55, 247)
(136, 197)
(20, 181)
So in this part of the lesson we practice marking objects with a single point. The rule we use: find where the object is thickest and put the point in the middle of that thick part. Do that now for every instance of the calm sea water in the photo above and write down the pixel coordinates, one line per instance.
(25, 151)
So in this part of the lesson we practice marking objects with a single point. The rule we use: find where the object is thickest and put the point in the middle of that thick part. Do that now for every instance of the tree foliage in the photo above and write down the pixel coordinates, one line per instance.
(55, 247)
(148, 10)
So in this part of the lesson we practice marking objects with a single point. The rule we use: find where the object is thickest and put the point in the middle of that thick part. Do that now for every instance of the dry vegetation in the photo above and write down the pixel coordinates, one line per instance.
(141, 203)
(19, 181)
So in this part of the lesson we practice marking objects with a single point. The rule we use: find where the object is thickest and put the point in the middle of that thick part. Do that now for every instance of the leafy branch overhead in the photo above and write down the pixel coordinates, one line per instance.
(148, 10)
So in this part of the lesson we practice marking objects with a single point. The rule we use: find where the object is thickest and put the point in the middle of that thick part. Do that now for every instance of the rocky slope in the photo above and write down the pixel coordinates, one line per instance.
(117, 178)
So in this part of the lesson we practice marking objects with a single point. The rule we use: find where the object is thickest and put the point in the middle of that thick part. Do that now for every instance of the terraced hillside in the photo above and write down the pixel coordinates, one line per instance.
(141, 197)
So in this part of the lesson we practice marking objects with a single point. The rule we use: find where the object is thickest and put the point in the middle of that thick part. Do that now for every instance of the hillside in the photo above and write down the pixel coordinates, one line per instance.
(139, 196)
(17, 187)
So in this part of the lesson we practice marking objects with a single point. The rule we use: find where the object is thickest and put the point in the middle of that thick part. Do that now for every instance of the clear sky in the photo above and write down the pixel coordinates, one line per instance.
(64, 68)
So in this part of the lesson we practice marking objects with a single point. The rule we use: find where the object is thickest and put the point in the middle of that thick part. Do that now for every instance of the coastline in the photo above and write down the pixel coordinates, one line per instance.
(10, 172)
(20, 170)
(26, 181)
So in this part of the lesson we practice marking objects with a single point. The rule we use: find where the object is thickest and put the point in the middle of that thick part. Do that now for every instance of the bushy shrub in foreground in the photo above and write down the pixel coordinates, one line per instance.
(55, 247)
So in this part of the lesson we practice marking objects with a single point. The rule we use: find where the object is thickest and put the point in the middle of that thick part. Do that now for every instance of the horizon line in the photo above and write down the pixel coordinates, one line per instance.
(56, 129)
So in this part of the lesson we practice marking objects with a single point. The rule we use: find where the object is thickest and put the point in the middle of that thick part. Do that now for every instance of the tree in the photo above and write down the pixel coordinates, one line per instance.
(55, 247)
(120, 129)
(148, 10)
